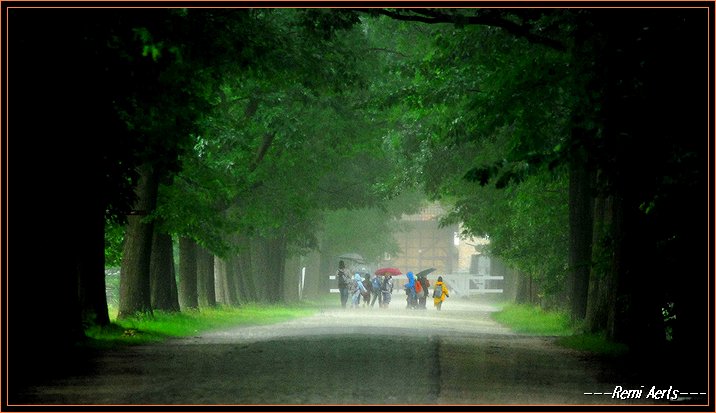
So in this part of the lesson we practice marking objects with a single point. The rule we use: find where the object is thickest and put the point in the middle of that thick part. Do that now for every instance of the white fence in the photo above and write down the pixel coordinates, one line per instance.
(458, 284)
(472, 284)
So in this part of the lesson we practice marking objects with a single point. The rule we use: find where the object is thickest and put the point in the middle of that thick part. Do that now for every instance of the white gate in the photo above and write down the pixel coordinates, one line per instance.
(471, 284)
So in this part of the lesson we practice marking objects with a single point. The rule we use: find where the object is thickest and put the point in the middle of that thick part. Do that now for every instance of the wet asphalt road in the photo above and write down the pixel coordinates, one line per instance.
(457, 356)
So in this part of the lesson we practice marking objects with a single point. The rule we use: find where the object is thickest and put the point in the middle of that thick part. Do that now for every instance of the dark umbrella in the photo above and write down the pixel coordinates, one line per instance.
(387, 271)
(424, 272)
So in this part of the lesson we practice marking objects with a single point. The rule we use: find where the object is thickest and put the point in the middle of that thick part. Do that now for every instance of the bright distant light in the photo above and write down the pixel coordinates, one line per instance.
(456, 239)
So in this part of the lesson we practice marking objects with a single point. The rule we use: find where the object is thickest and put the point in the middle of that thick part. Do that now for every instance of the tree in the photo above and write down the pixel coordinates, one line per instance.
(188, 292)
(486, 121)
(134, 283)
(163, 286)
(568, 98)
(206, 288)
(272, 132)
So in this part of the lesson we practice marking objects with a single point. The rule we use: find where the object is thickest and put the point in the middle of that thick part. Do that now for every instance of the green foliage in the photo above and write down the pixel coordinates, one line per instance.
(533, 320)
(285, 139)
(113, 242)
(475, 105)
(160, 326)
(527, 319)
(368, 231)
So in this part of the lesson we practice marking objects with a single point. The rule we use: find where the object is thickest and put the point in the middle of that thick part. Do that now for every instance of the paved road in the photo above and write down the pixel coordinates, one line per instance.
(458, 356)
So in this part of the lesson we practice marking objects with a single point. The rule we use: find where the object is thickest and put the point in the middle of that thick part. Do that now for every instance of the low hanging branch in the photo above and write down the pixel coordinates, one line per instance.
(268, 139)
(432, 16)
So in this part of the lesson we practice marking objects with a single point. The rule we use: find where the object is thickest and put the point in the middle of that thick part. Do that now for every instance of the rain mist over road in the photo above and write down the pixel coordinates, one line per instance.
(363, 356)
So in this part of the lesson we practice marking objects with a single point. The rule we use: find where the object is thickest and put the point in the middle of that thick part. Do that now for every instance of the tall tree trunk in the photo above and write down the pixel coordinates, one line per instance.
(205, 277)
(232, 277)
(259, 267)
(525, 288)
(163, 274)
(611, 286)
(276, 266)
(91, 278)
(268, 263)
(134, 285)
(241, 279)
(244, 270)
(292, 279)
(596, 315)
(220, 281)
(580, 230)
(245, 289)
(188, 297)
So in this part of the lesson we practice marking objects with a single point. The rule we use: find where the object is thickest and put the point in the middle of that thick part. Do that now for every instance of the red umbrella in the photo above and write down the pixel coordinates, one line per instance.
(384, 271)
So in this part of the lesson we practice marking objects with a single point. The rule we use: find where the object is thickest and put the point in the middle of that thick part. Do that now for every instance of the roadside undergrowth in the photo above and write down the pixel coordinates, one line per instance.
(148, 328)
(532, 320)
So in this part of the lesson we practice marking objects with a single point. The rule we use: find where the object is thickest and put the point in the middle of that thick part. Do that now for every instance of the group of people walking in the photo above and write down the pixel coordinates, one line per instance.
(371, 288)
(418, 289)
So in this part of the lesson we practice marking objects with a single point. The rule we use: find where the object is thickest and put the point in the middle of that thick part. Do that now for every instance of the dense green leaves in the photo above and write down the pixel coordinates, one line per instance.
(479, 118)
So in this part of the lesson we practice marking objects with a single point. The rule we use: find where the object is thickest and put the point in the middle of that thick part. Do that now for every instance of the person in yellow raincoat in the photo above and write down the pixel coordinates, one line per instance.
(440, 293)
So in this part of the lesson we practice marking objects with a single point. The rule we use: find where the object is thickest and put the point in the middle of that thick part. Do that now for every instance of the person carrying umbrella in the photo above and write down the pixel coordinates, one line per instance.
(423, 295)
(343, 280)
(386, 289)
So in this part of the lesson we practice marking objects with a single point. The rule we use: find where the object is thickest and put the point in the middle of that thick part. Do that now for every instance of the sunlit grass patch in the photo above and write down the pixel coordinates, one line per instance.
(161, 325)
(528, 319)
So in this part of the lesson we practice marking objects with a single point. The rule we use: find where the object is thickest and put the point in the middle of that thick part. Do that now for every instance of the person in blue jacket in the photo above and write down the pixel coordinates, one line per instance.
(412, 296)
(359, 290)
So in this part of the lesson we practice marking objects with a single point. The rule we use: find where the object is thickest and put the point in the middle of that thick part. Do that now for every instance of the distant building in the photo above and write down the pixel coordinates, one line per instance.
(424, 244)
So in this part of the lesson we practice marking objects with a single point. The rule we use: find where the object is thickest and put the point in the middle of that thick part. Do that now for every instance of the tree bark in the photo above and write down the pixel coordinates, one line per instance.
(134, 284)
(523, 295)
(259, 267)
(188, 297)
(246, 287)
(580, 231)
(205, 277)
(232, 279)
(91, 278)
(595, 318)
(276, 268)
(220, 281)
(611, 290)
(163, 274)
(292, 279)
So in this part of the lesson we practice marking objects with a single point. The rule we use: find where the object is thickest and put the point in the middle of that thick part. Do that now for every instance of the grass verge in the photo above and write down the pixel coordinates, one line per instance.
(594, 343)
(144, 329)
(527, 319)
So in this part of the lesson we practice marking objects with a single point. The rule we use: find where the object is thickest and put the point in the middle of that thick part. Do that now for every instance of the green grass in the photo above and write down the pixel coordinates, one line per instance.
(161, 325)
(527, 319)
(595, 343)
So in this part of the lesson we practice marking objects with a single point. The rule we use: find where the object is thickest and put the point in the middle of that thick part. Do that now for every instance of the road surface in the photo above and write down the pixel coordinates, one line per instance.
(457, 356)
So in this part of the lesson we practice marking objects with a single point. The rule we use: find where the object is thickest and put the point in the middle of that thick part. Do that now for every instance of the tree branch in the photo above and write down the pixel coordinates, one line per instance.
(268, 139)
(430, 16)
